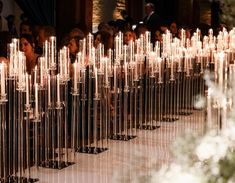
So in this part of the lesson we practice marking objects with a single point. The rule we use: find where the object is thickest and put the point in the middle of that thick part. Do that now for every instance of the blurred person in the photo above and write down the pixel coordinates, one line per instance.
(76, 32)
(26, 28)
(105, 38)
(152, 20)
(158, 35)
(27, 45)
(174, 29)
(11, 25)
(128, 36)
(73, 46)
(3, 21)
(44, 33)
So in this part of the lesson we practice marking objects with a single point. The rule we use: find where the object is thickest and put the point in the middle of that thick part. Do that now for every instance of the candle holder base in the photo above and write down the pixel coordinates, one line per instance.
(12, 179)
(91, 150)
(54, 164)
(148, 127)
(169, 119)
(122, 137)
(185, 113)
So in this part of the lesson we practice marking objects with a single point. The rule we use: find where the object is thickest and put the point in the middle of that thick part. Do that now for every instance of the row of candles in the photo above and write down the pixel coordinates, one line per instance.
(133, 60)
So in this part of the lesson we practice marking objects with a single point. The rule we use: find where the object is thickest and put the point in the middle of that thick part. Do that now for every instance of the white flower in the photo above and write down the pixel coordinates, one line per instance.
(212, 147)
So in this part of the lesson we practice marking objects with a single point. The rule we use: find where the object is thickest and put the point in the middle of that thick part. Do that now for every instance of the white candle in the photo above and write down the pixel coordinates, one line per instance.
(75, 77)
(125, 65)
(115, 77)
(35, 75)
(2, 80)
(96, 82)
(27, 89)
(116, 47)
(41, 70)
(160, 68)
(49, 89)
(58, 88)
(209, 116)
(36, 101)
(106, 70)
(136, 67)
(52, 50)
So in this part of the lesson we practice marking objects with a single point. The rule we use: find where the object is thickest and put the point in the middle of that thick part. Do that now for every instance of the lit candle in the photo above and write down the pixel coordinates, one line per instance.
(75, 77)
(41, 60)
(115, 77)
(106, 70)
(36, 101)
(116, 47)
(160, 68)
(52, 50)
(125, 65)
(35, 75)
(27, 89)
(49, 89)
(136, 67)
(58, 89)
(2, 80)
(96, 83)
(209, 116)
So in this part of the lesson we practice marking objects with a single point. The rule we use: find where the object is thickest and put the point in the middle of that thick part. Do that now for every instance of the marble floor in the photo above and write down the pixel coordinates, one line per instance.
(127, 161)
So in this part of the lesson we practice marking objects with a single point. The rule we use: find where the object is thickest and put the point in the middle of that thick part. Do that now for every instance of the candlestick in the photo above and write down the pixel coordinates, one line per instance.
(96, 83)
(75, 77)
(36, 101)
(49, 89)
(27, 89)
(125, 65)
(106, 71)
(58, 89)
(2, 80)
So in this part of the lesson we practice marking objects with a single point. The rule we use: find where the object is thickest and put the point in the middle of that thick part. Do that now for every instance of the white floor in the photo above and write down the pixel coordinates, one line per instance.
(130, 161)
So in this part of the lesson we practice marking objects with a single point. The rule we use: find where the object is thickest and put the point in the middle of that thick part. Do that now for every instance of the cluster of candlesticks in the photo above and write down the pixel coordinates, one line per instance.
(62, 108)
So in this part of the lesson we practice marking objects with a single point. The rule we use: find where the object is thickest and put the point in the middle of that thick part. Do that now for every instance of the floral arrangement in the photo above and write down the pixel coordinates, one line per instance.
(203, 159)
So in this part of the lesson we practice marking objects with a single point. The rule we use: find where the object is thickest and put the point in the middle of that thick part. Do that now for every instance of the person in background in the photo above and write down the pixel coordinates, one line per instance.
(73, 46)
(158, 36)
(105, 38)
(26, 28)
(152, 20)
(128, 36)
(44, 33)
(3, 21)
(11, 25)
(174, 29)
(27, 45)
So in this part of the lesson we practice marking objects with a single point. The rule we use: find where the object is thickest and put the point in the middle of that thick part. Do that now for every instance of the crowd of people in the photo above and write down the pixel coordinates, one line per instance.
(32, 37)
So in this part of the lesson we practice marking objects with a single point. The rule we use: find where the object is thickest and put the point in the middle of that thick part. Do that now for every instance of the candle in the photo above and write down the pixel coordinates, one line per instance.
(41, 60)
(209, 116)
(36, 101)
(2, 80)
(160, 68)
(49, 89)
(136, 67)
(96, 83)
(125, 65)
(52, 51)
(58, 89)
(35, 75)
(27, 89)
(75, 77)
(115, 77)
(116, 47)
(106, 70)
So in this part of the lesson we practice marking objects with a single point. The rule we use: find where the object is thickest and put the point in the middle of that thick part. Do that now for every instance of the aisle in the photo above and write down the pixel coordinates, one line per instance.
(126, 161)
